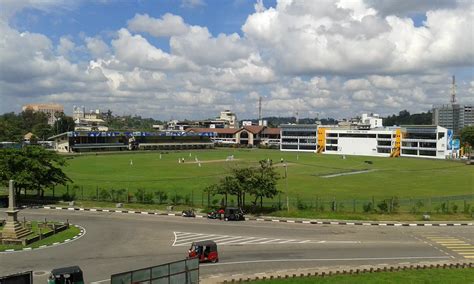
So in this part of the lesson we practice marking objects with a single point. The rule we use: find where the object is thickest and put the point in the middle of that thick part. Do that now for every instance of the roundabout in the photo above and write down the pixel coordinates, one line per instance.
(70, 234)
(117, 242)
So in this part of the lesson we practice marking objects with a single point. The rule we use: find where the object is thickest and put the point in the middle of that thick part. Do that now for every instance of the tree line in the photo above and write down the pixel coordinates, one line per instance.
(13, 126)
(255, 183)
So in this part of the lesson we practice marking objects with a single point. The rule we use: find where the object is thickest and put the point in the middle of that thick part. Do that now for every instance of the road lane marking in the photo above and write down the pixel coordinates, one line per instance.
(186, 238)
(325, 259)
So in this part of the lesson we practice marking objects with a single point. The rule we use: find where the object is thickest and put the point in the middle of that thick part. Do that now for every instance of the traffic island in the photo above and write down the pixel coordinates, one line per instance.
(42, 234)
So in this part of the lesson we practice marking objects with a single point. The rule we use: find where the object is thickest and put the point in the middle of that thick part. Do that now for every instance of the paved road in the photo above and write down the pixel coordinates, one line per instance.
(117, 242)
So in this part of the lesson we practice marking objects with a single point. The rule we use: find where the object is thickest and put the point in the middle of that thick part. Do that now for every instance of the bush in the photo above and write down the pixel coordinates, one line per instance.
(104, 194)
(368, 207)
(148, 197)
(176, 199)
(467, 208)
(383, 206)
(140, 195)
(161, 196)
(300, 204)
(187, 199)
(416, 208)
(69, 197)
(454, 208)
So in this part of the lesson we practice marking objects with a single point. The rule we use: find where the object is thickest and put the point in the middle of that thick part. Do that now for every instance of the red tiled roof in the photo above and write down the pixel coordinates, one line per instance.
(254, 129)
(271, 131)
(216, 130)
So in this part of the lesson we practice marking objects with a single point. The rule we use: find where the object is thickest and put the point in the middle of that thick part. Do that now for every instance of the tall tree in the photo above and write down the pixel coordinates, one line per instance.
(467, 135)
(32, 168)
(63, 123)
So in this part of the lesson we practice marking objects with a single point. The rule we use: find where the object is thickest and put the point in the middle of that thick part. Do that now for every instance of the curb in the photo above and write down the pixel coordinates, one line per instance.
(269, 219)
(372, 269)
(76, 237)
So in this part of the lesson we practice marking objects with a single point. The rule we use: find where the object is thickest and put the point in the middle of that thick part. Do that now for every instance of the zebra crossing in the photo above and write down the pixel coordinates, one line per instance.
(186, 238)
(456, 245)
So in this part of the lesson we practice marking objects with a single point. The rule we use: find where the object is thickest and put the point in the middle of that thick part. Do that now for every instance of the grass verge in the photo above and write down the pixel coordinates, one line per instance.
(433, 276)
(312, 214)
(59, 237)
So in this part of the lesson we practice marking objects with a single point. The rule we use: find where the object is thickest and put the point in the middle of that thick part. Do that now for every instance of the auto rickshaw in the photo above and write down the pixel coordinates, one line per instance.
(66, 275)
(205, 251)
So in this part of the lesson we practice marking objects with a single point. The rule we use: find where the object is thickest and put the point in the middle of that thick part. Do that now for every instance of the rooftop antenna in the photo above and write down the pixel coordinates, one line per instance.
(453, 90)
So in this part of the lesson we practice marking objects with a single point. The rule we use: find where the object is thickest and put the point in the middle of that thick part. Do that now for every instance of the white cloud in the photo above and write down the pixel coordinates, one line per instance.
(192, 3)
(321, 58)
(349, 38)
(202, 48)
(97, 47)
(135, 50)
(167, 25)
(65, 46)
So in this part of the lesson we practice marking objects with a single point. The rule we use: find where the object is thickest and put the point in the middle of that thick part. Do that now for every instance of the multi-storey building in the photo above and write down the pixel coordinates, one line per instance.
(52, 110)
(453, 116)
(428, 141)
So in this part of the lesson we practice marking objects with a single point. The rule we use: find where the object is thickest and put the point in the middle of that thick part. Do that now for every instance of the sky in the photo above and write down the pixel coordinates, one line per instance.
(193, 58)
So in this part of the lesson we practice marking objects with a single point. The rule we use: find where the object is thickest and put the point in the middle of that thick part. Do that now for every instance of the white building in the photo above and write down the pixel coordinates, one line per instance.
(229, 117)
(426, 141)
(373, 120)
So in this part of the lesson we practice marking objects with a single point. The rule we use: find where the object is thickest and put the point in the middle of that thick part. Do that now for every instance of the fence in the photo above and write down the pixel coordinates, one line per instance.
(178, 272)
(387, 204)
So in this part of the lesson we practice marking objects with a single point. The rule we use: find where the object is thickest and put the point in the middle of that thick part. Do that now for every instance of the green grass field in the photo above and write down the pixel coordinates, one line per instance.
(401, 177)
(431, 276)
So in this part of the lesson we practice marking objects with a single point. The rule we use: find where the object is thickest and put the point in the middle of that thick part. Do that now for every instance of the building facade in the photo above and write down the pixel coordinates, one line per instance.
(453, 116)
(428, 141)
(298, 137)
(49, 109)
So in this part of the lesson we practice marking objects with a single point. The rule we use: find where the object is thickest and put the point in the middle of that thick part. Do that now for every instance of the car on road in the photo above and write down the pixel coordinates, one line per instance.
(66, 275)
(234, 214)
(205, 251)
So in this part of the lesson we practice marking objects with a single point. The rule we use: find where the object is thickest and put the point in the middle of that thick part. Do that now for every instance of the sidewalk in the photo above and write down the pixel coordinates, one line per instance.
(334, 270)
(276, 219)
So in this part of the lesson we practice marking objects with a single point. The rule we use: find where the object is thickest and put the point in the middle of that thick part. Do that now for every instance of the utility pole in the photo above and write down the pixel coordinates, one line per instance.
(286, 188)
(260, 122)
(453, 90)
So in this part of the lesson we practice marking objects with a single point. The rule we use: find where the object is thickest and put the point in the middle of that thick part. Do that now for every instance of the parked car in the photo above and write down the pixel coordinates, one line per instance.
(234, 214)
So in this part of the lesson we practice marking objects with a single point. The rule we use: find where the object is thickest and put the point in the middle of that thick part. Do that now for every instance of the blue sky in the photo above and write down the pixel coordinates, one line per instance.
(327, 58)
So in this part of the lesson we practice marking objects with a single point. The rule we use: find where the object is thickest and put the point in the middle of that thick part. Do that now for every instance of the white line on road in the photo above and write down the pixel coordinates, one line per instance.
(327, 259)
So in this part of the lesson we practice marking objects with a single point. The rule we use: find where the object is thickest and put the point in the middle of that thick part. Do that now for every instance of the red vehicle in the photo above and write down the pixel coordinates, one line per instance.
(206, 251)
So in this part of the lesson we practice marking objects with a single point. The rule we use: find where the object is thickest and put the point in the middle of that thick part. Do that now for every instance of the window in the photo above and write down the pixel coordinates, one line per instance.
(427, 153)
(409, 152)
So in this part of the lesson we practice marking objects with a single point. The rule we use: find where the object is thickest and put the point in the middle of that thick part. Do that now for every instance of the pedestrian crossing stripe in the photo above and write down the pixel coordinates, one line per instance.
(458, 246)
(186, 238)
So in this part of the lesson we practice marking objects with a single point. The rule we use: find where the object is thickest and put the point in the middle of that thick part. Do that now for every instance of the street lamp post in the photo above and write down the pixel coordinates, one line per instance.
(286, 188)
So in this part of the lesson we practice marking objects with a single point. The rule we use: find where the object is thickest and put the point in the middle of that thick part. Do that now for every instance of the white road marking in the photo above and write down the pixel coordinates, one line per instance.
(327, 259)
(186, 238)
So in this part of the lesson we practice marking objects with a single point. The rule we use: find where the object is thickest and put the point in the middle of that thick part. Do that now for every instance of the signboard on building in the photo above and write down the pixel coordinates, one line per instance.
(450, 139)
(456, 144)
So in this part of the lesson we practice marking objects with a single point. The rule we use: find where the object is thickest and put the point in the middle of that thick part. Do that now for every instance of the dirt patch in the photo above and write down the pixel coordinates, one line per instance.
(348, 173)
(211, 161)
